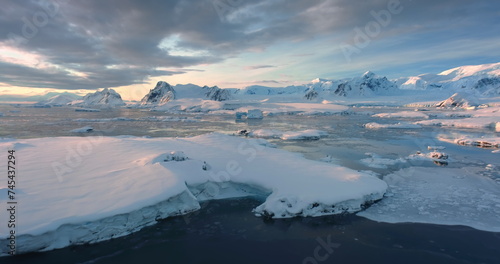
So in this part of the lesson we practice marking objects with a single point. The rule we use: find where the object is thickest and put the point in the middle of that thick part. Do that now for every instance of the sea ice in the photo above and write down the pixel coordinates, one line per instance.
(375, 161)
(448, 196)
(480, 119)
(88, 189)
(482, 142)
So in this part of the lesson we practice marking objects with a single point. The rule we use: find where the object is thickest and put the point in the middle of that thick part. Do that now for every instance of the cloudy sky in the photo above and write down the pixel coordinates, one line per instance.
(79, 46)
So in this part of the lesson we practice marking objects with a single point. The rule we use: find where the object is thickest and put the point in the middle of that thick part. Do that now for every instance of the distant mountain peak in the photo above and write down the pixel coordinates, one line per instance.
(161, 94)
(470, 70)
(106, 97)
(481, 79)
(319, 80)
(369, 74)
(215, 93)
(58, 100)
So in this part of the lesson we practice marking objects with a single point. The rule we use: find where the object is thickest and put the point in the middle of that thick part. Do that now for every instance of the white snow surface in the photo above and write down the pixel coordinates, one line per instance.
(74, 197)
(448, 196)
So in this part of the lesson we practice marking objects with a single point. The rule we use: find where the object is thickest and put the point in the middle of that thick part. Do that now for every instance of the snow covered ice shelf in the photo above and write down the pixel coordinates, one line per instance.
(448, 196)
(74, 190)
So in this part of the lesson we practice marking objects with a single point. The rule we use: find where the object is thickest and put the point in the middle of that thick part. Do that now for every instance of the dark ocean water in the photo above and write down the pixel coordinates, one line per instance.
(226, 231)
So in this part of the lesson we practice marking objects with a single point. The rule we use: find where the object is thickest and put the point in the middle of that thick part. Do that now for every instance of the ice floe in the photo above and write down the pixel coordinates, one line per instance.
(89, 189)
(448, 196)
(482, 142)
(375, 161)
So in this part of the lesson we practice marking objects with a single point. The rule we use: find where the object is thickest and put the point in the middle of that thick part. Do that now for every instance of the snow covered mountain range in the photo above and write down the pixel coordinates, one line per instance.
(475, 80)
(482, 80)
(58, 100)
(104, 98)
(369, 84)
(164, 92)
